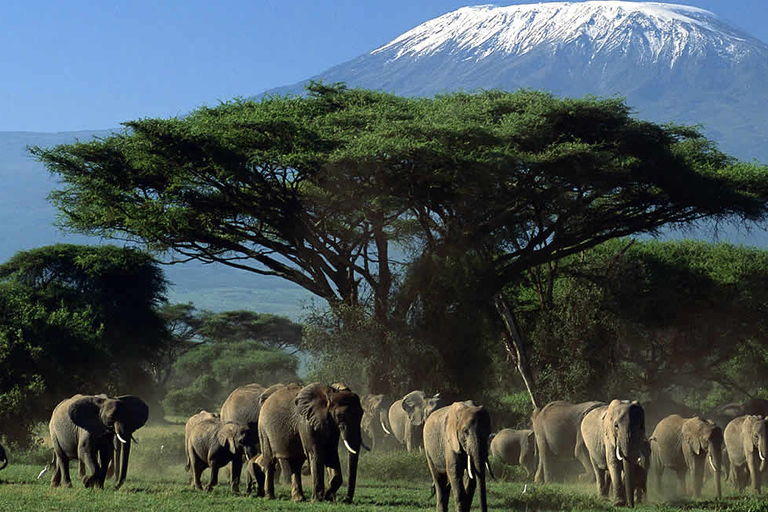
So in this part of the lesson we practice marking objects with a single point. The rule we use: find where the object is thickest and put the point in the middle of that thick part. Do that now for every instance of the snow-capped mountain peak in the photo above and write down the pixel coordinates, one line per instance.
(654, 31)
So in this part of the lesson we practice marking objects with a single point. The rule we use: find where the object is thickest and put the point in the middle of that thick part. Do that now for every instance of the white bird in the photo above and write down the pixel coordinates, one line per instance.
(44, 471)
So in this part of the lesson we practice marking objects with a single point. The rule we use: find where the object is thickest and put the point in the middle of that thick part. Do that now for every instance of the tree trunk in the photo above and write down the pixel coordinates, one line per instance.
(516, 344)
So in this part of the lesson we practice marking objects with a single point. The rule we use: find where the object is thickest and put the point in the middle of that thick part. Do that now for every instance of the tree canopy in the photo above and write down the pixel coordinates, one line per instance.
(226, 350)
(340, 190)
(651, 319)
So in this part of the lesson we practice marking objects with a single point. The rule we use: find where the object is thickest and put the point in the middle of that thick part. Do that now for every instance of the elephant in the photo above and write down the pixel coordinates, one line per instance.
(242, 407)
(515, 447)
(83, 427)
(299, 423)
(3, 457)
(211, 442)
(375, 422)
(685, 445)
(747, 442)
(456, 439)
(556, 427)
(407, 417)
(658, 409)
(723, 414)
(613, 435)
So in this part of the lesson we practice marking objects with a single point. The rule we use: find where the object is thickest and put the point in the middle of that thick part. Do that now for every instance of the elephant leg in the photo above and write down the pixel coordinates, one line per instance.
(469, 492)
(214, 475)
(297, 492)
(258, 475)
(269, 478)
(681, 484)
(658, 473)
(455, 470)
(235, 470)
(105, 457)
(285, 471)
(697, 475)
(600, 481)
(334, 473)
(87, 455)
(197, 470)
(440, 483)
(408, 438)
(619, 495)
(755, 473)
(318, 477)
(61, 471)
(540, 477)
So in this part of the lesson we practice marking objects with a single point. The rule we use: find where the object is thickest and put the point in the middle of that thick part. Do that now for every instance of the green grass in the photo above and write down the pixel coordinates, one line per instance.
(394, 481)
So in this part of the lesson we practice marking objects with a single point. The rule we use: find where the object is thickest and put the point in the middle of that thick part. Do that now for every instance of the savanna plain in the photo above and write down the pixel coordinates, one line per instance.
(387, 481)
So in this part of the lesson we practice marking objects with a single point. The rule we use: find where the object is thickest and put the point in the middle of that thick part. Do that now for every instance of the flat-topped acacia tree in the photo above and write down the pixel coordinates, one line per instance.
(319, 189)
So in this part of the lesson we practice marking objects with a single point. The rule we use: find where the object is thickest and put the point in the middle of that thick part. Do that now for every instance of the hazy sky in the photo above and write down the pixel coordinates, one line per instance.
(75, 64)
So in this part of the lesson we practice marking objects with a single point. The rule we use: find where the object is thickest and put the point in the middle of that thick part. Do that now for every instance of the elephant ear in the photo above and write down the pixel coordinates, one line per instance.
(453, 426)
(132, 412)
(226, 437)
(85, 412)
(313, 403)
(413, 404)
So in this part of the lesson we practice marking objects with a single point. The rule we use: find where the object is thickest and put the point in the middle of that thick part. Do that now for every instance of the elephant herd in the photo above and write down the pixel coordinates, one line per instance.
(274, 430)
(610, 443)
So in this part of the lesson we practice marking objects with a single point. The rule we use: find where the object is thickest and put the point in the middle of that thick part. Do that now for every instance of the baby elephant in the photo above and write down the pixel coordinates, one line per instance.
(212, 443)
(516, 448)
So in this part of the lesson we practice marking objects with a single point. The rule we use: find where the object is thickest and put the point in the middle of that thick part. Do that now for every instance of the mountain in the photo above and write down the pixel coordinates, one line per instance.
(671, 62)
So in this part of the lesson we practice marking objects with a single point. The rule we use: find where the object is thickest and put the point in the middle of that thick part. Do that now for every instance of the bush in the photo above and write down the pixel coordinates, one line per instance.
(202, 394)
(395, 465)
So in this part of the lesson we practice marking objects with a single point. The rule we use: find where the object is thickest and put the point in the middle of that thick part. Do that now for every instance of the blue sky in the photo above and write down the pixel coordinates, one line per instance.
(89, 65)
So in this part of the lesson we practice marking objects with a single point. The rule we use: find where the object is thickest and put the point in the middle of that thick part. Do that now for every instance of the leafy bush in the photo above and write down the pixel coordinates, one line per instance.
(395, 465)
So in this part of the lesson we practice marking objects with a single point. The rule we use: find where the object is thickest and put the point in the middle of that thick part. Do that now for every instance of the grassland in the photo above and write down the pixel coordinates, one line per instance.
(394, 481)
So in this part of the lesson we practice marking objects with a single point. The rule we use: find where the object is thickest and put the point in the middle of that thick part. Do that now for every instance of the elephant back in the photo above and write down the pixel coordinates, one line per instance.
(242, 405)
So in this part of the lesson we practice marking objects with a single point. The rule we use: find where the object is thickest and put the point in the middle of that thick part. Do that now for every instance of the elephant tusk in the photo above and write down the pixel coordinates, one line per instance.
(120, 438)
(618, 455)
(469, 467)
(133, 439)
(712, 464)
(760, 453)
(364, 446)
(353, 452)
(490, 471)
(385, 428)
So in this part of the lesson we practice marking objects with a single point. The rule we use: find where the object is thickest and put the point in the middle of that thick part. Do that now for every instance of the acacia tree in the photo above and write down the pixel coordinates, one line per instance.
(320, 189)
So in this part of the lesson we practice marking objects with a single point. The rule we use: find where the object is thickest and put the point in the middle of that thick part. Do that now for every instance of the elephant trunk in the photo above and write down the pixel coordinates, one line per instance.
(715, 456)
(477, 457)
(353, 442)
(5, 461)
(629, 481)
(124, 450)
(352, 478)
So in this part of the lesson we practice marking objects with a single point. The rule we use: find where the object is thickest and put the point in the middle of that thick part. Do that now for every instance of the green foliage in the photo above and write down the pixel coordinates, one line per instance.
(75, 318)
(328, 190)
(652, 318)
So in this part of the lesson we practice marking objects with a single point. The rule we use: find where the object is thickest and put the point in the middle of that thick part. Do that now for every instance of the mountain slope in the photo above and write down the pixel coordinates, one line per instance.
(672, 63)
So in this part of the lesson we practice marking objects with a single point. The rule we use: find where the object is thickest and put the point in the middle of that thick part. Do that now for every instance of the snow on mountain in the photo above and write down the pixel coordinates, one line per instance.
(654, 31)
(670, 62)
